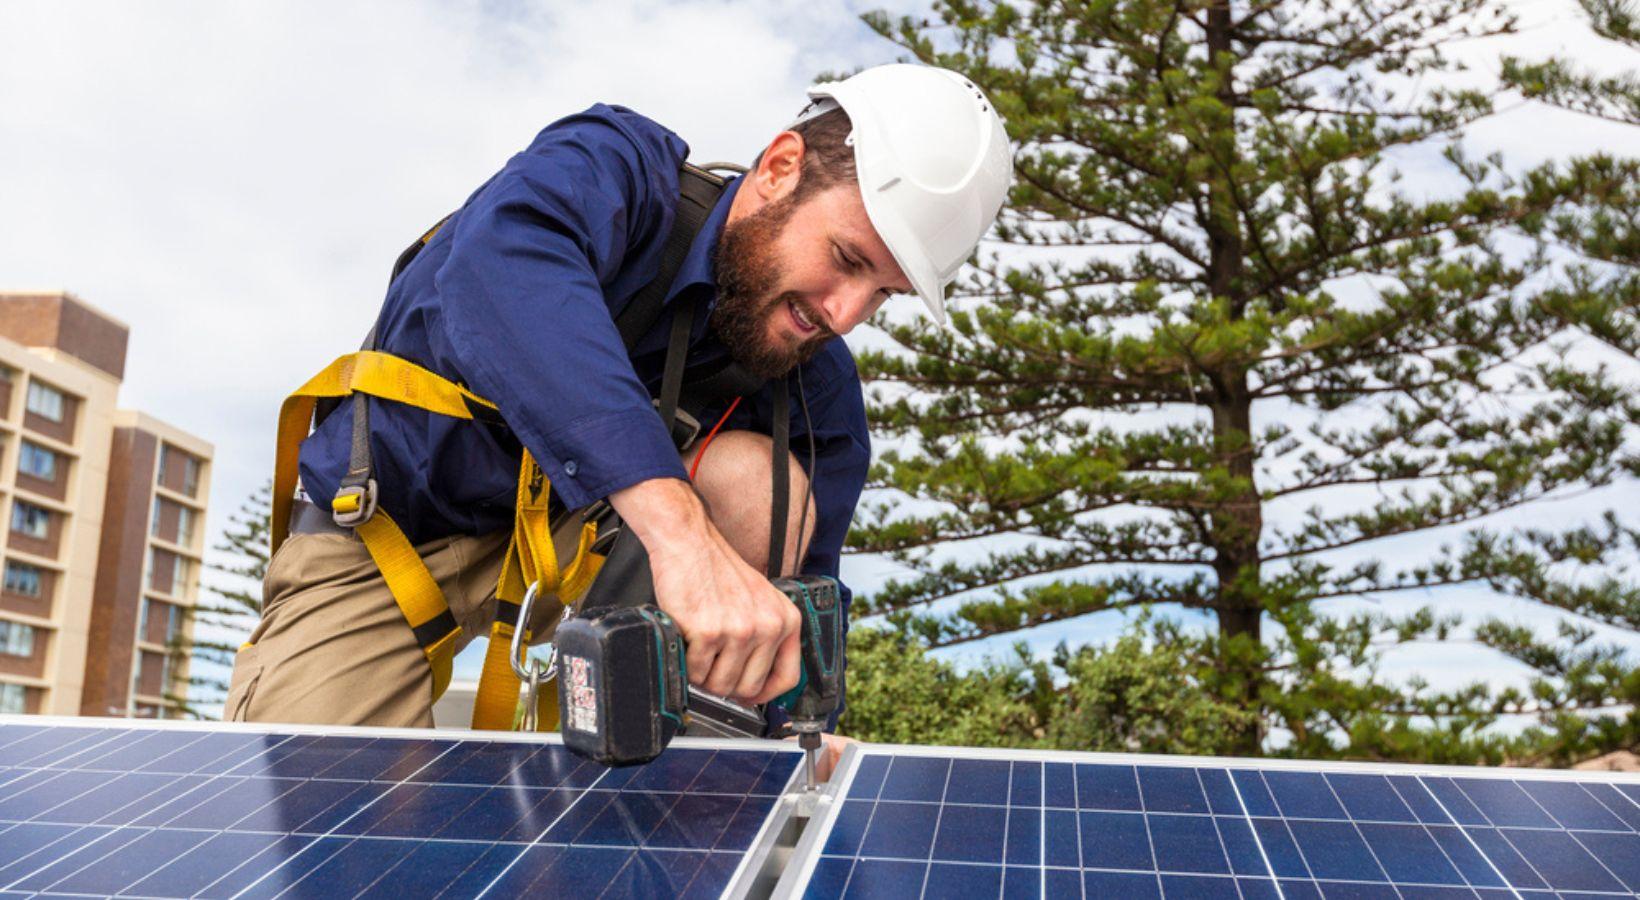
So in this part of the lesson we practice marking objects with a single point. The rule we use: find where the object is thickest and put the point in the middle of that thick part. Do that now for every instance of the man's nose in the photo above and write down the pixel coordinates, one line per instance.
(848, 306)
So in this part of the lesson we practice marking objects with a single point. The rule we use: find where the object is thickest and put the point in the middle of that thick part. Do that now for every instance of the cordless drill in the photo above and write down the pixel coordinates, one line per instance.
(623, 685)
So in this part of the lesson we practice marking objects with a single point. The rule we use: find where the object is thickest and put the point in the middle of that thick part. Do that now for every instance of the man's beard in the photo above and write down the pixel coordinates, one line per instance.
(748, 271)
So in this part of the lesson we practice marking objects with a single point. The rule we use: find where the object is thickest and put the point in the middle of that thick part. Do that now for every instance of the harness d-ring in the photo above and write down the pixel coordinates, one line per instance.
(535, 671)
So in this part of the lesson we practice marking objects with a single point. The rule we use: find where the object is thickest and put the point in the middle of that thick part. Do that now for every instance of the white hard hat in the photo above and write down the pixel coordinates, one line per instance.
(934, 165)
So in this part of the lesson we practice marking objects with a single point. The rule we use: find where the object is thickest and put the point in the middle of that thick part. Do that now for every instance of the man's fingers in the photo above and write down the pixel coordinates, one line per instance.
(783, 677)
(829, 755)
(756, 673)
(727, 668)
(700, 655)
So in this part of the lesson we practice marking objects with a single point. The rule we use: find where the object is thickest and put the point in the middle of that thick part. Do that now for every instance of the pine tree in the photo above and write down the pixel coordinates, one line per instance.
(1585, 692)
(1218, 352)
(228, 618)
(1601, 296)
(1562, 82)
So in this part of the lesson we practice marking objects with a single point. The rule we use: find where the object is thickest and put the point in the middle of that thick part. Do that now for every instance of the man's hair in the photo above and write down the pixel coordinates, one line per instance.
(828, 160)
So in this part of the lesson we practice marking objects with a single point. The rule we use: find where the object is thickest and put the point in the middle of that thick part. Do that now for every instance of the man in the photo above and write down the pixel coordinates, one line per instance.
(883, 186)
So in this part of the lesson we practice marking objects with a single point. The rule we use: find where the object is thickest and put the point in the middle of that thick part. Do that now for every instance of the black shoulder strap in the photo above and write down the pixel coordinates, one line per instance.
(698, 192)
(781, 466)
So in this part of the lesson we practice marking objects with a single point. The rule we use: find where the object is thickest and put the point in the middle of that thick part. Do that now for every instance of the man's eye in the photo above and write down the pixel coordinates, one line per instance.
(843, 259)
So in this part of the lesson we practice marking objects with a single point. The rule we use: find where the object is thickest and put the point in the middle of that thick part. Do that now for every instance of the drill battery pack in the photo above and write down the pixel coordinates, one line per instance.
(622, 686)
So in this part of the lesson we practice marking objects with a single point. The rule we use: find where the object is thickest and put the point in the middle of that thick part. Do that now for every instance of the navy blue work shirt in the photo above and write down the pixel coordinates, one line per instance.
(515, 298)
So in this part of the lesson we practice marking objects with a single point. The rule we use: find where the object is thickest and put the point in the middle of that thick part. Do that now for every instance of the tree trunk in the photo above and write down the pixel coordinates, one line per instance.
(1235, 526)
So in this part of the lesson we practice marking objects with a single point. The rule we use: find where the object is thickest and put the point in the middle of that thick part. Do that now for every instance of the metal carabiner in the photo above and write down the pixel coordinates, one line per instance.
(533, 674)
(529, 720)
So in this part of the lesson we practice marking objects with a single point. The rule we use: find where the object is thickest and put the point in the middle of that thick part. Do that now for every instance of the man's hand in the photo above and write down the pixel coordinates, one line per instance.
(742, 631)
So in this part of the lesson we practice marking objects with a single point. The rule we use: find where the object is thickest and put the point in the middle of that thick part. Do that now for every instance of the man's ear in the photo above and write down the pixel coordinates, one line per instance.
(780, 167)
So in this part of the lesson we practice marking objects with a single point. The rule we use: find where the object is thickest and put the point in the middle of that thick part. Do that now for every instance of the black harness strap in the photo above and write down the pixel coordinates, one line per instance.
(360, 477)
(781, 466)
(360, 470)
(677, 350)
(698, 192)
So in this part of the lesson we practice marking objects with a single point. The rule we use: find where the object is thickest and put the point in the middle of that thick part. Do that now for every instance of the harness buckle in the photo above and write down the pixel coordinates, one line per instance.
(684, 428)
(354, 504)
(602, 513)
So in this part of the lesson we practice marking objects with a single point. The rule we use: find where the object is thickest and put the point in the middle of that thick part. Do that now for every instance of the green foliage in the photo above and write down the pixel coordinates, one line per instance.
(1145, 693)
(1560, 82)
(899, 695)
(1214, 349)
(1139, 694)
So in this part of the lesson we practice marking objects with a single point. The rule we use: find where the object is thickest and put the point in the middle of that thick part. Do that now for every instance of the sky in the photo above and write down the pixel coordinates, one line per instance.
(234, 180)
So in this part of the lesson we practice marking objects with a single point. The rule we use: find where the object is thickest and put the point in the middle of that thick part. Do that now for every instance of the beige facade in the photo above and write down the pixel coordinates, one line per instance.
(102, 529)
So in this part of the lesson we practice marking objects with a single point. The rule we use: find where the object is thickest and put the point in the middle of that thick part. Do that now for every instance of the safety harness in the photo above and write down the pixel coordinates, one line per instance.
(530, 557)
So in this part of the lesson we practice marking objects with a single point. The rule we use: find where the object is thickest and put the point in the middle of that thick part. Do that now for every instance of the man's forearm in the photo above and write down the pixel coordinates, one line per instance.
(667, 516)
(741, 631)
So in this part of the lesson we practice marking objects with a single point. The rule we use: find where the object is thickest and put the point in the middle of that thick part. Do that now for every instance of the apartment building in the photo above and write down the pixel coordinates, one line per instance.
(102, 531)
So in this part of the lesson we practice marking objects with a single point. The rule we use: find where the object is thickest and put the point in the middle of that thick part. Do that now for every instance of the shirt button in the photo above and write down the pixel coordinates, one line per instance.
(571, 467)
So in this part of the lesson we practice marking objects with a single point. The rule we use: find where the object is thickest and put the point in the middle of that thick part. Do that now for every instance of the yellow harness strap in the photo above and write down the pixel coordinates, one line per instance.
(531, 559)
(530, 556)
(368, 372)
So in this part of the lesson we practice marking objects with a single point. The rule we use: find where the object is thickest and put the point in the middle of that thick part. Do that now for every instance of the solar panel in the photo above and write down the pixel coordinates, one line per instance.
(937, 822)
(177, 810)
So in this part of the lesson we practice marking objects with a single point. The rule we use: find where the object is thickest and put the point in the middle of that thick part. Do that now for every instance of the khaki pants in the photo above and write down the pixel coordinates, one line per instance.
(332, 647)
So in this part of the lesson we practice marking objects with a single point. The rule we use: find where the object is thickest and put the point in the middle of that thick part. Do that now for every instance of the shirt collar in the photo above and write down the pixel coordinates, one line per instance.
(697, 267)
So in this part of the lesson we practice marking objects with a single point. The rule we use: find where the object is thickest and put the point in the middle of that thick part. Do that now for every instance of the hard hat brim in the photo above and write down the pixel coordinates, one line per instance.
(925, 280)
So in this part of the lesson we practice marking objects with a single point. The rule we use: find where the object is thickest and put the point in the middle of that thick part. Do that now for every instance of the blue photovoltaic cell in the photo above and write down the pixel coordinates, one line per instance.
(925, 825)
(162, 812)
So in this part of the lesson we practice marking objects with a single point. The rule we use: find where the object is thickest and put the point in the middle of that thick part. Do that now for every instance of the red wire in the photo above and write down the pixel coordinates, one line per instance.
(709, 435)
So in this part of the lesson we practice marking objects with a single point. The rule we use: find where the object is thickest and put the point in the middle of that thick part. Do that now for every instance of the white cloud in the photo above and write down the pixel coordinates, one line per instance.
(234, 180)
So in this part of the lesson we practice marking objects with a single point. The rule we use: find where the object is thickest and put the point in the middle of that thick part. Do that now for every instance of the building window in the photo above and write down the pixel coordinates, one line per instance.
(157, 561)
(37, 461)
(169, 612)
(22, 578)
(163, 563)
(181, 467)
(185, 526)
(13, 699)
(45, 402)
(185, 522)
(26, 518)
(16, 639)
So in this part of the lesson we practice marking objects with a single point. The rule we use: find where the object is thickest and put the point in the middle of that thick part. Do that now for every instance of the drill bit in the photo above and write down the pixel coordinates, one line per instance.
(810, 741)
